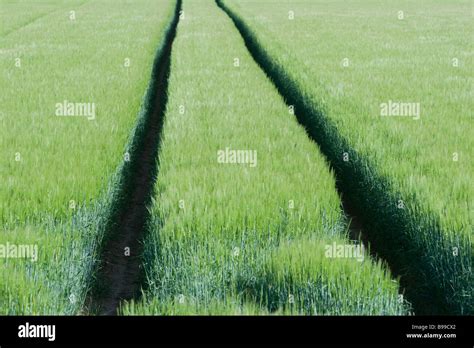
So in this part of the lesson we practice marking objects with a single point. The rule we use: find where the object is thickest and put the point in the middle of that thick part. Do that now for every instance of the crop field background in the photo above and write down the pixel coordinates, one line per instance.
(232, 239)
(236, 157)
(423, 56)
(58, 174)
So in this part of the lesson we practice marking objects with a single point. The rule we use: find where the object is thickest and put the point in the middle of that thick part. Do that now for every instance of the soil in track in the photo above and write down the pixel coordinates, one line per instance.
(120, 273)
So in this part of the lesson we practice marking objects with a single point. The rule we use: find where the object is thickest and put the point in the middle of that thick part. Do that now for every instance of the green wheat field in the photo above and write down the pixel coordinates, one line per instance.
(313, 157)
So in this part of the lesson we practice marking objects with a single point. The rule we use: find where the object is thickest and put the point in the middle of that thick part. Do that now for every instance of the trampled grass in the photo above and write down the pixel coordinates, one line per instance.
(59, 171)
(248, 237)
(412, 175)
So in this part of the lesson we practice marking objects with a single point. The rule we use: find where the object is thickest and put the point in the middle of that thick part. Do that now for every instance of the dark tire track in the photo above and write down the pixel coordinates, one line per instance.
(368, 200)
(120, 274)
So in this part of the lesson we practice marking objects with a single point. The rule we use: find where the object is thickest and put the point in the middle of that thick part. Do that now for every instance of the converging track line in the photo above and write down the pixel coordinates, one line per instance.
(120, 274)
(366, 199)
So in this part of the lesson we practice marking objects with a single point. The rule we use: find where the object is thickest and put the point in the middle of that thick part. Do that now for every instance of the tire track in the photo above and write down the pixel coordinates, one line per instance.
(120, 273)
(368, 200)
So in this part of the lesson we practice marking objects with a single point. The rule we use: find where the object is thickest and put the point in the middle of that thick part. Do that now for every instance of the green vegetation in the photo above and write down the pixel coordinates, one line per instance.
(249, 237)
(16, 15)
(339, 62)
(62, 176)
(245, 216)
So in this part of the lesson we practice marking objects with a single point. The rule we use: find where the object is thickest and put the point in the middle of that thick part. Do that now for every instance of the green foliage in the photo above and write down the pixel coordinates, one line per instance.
(402, 174)
(221, 233)
(64, 159)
